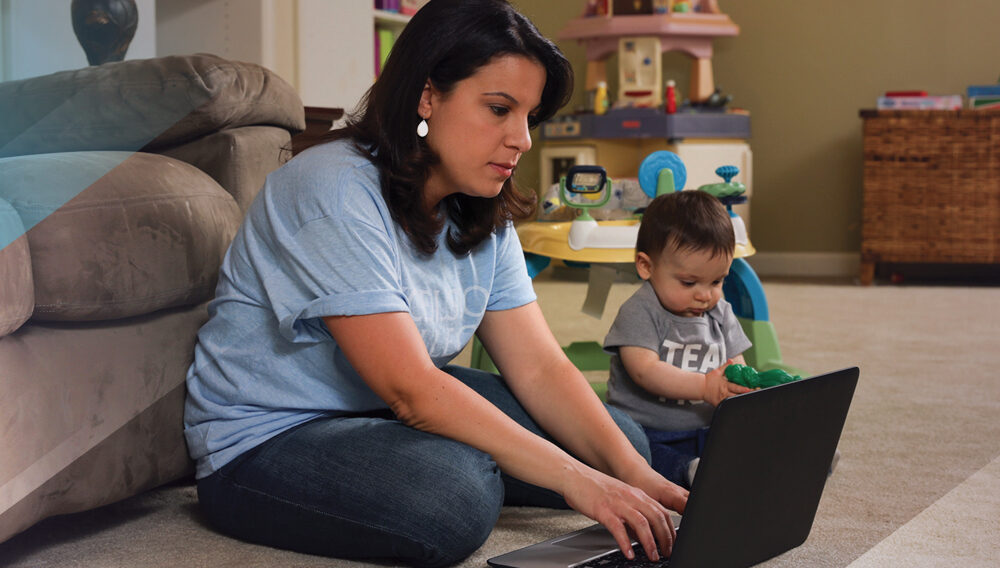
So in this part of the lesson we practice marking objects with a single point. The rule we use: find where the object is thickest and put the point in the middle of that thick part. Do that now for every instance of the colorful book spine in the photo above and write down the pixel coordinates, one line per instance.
(984, 102)
(982, 97)
(983, 90)
(385, 38)
(410, 7)
(930, 102)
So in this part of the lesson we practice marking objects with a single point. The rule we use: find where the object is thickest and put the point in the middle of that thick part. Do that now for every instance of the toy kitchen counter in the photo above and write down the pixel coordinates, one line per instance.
(648, 123)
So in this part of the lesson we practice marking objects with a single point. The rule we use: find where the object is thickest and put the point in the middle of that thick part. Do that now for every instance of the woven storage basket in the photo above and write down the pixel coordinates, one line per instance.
(931, 187)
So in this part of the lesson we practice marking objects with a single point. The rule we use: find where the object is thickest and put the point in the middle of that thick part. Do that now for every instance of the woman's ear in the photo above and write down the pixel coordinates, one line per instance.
(424, 106)
(643, 265)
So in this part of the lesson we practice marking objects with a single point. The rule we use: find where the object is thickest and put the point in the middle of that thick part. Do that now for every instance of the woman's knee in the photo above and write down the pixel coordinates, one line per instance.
(441, 505)
(462, 513)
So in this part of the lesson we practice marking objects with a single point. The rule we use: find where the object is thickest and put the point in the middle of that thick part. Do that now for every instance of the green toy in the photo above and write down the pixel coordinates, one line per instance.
(727, 188)
(750, 377)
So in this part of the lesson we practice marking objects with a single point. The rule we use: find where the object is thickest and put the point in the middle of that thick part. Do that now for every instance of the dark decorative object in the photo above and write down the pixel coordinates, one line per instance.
(104, 28)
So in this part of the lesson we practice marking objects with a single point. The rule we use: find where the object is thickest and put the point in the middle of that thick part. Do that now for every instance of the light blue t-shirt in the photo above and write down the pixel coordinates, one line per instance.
(319, 241)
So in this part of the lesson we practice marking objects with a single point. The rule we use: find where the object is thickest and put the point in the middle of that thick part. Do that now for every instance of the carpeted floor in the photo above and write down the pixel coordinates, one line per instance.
(918, 483)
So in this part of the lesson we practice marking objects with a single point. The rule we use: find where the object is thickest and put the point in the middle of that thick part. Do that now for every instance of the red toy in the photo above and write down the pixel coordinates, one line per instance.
(671, 104)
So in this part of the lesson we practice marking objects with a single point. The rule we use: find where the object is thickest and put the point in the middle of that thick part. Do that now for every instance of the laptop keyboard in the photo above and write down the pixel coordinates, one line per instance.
(615, 559)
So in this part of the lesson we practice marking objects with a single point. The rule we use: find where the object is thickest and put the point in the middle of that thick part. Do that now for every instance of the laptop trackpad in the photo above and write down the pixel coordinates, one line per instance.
(595, 538)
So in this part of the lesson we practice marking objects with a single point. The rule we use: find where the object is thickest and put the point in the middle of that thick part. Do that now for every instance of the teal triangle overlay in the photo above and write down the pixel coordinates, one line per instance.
(82, 117)
(10, 224)
(36, 186)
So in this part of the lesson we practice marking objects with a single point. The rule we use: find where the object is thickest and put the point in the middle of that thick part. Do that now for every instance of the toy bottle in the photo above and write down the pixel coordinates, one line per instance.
(671, 97)
(601, 98)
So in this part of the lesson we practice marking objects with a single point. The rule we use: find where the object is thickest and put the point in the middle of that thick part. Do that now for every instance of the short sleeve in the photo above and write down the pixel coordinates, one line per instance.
(341, 266)
(635, 325)
(322, 245)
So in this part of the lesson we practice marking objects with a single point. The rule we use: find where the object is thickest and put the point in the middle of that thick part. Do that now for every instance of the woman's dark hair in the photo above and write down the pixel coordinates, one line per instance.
(445, 42)
(686, 220)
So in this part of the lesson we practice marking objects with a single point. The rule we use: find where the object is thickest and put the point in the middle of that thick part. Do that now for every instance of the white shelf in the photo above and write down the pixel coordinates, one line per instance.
(391, 19)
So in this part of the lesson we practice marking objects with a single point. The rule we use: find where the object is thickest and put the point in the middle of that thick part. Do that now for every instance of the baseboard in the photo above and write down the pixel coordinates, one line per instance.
(806, 264)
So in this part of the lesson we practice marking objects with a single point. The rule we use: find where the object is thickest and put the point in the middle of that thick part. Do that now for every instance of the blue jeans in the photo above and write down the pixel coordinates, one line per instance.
(673, 451)
(370, 487)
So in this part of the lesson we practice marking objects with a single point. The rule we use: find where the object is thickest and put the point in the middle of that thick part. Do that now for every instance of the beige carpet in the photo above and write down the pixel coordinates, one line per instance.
(918, 483)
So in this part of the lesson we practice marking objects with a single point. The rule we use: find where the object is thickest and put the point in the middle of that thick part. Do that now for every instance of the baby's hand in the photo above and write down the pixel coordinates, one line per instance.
(718, 388)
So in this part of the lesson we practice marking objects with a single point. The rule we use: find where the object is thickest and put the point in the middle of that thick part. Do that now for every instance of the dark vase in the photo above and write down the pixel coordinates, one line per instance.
(104, 28)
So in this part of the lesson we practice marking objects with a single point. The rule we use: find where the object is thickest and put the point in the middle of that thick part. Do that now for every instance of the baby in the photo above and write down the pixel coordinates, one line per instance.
(672, 340)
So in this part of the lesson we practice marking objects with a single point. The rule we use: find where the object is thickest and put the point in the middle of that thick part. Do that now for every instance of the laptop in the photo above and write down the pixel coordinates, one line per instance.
(759, 483)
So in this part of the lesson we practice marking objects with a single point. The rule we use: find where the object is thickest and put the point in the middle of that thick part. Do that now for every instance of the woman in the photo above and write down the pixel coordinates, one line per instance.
(321, 412)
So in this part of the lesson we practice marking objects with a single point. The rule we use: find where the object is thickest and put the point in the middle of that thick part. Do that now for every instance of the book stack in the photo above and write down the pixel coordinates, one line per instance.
(984, 96)
(405, 7)
(410, 7)
(390, 17)
(385, 36)
(918, 100)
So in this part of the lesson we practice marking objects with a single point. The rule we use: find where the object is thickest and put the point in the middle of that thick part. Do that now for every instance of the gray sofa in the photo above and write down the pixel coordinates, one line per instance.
(121, 186)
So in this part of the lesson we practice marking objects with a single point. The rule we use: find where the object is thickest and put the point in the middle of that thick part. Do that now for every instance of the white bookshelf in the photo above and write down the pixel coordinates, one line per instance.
(391, 19)
(325, 48)
(336, 47)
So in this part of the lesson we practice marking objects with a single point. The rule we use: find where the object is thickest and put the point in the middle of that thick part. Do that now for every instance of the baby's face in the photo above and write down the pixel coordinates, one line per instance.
(688, 283)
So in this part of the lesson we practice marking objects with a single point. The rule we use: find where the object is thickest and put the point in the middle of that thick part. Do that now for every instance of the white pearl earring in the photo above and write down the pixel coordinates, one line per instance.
(422, 128)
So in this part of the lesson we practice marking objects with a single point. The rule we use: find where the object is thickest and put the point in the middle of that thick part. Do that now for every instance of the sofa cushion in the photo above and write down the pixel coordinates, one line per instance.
(17, 295)
(142, 103)
(148, 233)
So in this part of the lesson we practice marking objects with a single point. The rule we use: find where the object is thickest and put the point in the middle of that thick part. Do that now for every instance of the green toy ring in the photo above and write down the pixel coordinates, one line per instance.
(750, 377)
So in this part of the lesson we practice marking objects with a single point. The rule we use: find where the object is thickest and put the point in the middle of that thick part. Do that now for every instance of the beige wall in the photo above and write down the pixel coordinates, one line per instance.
(804, 69)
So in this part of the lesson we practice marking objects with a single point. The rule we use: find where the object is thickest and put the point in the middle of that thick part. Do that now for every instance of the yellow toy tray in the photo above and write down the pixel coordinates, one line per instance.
(551, 239)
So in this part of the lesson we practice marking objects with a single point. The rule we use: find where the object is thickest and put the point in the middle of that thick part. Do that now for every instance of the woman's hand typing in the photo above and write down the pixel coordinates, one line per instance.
(627, 510)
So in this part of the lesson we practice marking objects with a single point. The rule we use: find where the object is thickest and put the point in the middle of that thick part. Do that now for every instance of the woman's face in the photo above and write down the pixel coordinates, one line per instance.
(480, 129)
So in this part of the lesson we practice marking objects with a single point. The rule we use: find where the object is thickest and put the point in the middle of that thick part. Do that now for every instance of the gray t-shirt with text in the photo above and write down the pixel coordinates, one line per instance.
(698, 344)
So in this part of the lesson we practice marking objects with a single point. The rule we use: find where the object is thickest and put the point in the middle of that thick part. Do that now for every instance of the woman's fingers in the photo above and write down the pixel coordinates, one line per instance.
(644, 534)
(627, 511)
(617, 529)
(663, 529)
(646, 520)
(674, 498)
(656, 528)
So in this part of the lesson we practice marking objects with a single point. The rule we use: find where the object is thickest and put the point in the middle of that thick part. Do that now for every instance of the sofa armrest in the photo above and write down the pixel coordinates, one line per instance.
(238, 159)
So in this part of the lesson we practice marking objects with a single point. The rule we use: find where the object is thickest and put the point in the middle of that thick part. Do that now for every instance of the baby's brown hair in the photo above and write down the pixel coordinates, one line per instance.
(686, 220)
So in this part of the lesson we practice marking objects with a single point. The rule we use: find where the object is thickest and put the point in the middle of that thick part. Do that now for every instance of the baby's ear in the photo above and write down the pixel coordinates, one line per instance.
(643, 265)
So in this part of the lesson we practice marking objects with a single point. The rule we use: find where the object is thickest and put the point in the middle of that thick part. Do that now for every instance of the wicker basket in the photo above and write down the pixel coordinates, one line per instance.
(931, 187)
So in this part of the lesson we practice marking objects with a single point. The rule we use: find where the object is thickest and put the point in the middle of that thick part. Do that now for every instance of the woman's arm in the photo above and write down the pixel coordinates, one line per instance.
(663, 379)
(388, 352)
(558, 397)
